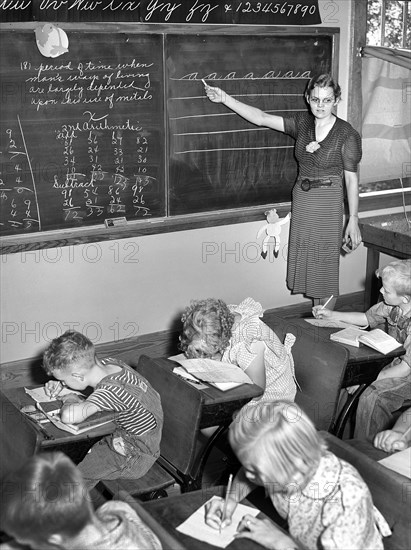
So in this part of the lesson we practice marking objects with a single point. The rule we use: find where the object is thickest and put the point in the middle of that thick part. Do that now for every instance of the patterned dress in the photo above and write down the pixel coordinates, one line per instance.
(279, 364)
(334, 511)
(317, 214)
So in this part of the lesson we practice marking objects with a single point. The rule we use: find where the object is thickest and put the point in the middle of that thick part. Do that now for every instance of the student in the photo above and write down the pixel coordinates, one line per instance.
(45, 504)
(392, 388)
(325, 501)
(398, 437)
(328, 151)
(236, 334)
(135, 445)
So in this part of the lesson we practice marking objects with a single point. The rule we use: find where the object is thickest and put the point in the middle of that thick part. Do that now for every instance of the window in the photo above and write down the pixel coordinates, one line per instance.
(389, 23)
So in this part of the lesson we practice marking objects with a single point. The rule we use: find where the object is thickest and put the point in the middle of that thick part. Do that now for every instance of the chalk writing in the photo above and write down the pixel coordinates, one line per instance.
(294, 12)
(92, 121)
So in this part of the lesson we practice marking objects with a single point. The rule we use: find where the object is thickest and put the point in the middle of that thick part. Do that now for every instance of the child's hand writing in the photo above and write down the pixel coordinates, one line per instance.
(319, 312)
(52, 388)
(214, 512)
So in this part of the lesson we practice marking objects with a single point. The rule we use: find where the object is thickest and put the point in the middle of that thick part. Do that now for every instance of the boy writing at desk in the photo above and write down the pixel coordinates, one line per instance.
(392, 388)
(135, 445)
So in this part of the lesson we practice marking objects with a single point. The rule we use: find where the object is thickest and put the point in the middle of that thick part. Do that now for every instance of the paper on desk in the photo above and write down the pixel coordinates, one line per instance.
(196, 527)
(328, 323)
(210, 370)
(39, 394)
(399, 462)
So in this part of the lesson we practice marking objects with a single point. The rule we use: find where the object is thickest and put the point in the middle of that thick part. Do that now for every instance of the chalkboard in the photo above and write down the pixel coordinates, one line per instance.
(217, 159)
(81, 137)
(120, 125)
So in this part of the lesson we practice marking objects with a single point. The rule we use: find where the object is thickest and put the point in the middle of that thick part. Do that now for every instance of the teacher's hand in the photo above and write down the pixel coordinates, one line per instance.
(265, 532)
(352, 236)
(216, 95)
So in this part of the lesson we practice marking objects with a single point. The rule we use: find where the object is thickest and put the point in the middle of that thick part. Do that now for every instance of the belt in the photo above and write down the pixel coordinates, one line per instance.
(307, 184)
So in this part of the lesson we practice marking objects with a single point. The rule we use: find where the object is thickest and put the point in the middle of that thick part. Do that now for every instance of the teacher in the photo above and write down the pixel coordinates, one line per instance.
(328, 151)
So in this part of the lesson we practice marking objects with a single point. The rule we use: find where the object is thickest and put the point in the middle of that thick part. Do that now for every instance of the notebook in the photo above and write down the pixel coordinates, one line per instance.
(52, 410)
(376, 339)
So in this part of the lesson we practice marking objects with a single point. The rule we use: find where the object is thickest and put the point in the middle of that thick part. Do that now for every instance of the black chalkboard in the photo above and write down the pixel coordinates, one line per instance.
(217, 159)
(81, 137)
(120, 125)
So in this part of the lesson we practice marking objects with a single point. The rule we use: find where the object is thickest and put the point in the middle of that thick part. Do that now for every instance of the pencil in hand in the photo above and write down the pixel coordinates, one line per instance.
(230, 482)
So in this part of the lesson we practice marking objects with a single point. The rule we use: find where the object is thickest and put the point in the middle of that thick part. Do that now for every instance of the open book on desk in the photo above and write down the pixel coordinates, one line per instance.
(52, 411)
(223, 376)
(376, 339)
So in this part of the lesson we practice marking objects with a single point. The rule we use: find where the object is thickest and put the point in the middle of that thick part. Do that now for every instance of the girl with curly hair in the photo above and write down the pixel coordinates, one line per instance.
(235, 334)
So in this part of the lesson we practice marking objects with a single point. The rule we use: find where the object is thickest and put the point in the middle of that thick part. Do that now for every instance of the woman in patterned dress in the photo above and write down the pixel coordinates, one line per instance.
(328, 151)
(325, 501)
(236, 334)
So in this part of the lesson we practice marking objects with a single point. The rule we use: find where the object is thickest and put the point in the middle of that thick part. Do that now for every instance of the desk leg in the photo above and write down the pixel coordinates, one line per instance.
(371, 282)
(194, 483)
(346, 411)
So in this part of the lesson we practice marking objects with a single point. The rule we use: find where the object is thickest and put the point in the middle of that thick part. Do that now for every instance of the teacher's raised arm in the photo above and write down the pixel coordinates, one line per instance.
(252, 114)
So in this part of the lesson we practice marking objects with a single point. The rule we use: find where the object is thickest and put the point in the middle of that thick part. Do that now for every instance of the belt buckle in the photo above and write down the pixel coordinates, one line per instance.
(305, 185)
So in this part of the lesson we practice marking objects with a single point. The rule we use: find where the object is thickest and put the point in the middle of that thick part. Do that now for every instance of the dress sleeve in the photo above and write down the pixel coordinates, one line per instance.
(352, 151)
(352, 523)
(291, 125)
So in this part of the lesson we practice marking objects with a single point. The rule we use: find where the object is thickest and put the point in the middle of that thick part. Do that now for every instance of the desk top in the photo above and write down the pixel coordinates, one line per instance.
(387, 233)
(363, 364)
(172, 511)
(50, 435)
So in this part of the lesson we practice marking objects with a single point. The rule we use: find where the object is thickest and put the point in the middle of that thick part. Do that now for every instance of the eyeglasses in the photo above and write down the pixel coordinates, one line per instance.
(326, 101)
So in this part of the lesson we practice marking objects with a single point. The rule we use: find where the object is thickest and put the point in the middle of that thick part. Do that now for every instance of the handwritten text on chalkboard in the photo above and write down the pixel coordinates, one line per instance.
(82, 142)
(288, 12)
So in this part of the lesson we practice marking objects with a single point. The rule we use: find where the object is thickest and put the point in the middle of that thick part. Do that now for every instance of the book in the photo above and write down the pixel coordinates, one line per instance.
(52, 411)
(376, 339)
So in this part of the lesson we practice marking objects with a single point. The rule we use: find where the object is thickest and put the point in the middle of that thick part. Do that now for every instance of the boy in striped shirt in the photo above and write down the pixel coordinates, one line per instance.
(135, 445)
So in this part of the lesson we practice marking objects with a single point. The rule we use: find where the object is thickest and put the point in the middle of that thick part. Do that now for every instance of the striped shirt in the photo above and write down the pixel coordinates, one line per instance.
(113, 394)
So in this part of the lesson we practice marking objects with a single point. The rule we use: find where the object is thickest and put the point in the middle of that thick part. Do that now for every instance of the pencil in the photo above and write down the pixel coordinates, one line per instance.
(230, 482)
(328, 301)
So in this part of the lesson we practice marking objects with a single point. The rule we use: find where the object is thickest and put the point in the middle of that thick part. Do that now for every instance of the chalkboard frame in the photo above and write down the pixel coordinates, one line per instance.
(66, 237)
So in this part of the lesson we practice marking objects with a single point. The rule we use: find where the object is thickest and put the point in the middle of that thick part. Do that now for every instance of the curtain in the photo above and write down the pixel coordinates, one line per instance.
(386, 114)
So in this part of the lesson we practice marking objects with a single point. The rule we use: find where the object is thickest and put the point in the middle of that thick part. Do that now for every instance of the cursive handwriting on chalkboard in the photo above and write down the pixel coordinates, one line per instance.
(288, 12)
(80, 136)
(87, 83)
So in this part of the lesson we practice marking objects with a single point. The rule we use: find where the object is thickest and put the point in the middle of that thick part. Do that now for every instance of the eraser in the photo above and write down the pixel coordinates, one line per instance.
(116, 222)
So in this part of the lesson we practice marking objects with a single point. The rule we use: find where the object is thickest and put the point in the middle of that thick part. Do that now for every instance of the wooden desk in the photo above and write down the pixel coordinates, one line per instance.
(388, 234)
(49, 437)
(218, 406)
(172, 511)
(217, 409)
(363, 363)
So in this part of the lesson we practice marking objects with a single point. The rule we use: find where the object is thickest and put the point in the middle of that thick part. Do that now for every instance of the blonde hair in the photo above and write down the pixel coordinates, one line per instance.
(207, 328)
(71, 349)
(398, 273)
(278, 438)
